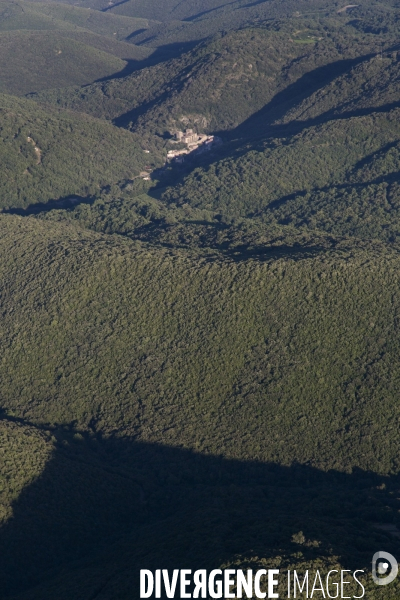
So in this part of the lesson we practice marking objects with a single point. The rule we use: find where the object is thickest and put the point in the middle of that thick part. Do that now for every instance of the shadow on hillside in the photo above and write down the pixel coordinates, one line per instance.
(262, 121)
(160, 55)
(114, 5)
(294, 251)
(296, 127)
(210, 10)
(205, 235)
(255, 3)
(107, 508)
(370, 158)
(131, 116)
(42, 207)
(387, 178)
(198, 235)
(261, 127)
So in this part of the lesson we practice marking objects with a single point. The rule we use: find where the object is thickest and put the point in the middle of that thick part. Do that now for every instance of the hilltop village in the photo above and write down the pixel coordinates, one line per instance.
(196, 143)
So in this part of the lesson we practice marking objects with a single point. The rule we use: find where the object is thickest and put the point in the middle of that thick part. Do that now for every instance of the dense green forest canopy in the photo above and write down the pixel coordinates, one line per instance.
(200, 360)
(47, 154)
(198, 85)
(192, 375)
(224, 81)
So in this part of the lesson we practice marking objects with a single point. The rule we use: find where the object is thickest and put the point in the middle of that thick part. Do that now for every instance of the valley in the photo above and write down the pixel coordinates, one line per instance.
(199, 295)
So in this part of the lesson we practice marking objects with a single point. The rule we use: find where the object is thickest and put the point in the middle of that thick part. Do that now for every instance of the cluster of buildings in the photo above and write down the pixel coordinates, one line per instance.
(196, 143)
(189, 137)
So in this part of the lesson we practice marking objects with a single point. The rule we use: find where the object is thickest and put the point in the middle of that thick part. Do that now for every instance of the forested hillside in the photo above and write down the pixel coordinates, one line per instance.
(49, 45)
(341, 152)
(198, 85)
(49, 154)
(139, 335)
(56, 61)
(200, 355)
(255, 77)
(20, 14)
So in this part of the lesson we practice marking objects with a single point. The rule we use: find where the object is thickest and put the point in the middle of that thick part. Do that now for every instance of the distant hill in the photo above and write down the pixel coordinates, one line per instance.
(92, 20)
(131, 55)
(198, 84)
(37, 60)
(22, 14)
(192, 10)
(326, 159)
(166, 11)
(45, 45)
(221, 82)
(187, 21)
(254, 77)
